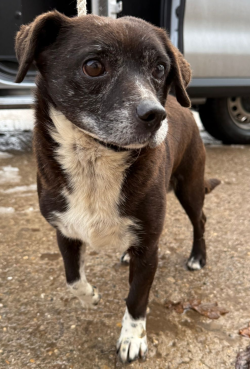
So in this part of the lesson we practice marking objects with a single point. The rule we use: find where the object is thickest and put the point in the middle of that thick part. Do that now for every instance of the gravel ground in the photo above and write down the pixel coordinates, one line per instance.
(43, 326)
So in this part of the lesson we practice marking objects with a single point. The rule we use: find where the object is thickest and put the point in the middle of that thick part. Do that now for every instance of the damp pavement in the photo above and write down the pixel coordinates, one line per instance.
(43, 326)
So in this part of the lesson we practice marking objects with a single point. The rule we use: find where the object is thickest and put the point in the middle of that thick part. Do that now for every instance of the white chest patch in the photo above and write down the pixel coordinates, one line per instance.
(95, 175)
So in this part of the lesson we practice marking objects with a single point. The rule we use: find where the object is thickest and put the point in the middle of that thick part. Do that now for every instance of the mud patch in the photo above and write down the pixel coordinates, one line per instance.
(209, 310)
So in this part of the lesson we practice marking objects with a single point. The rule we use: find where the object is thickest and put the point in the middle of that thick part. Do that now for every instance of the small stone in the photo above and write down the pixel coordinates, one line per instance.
(25, 257)
(42, 295)
(171, 280)
(155, 342)
(73, 327)
(10, 278)
(185, 360)
(32, 360)
(4, 329)
(119, 325)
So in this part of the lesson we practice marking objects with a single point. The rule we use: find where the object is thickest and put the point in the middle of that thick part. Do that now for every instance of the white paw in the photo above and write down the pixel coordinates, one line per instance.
(193, 264)
(132, 343)
(125, 258)
(87, 294)
(90, 301)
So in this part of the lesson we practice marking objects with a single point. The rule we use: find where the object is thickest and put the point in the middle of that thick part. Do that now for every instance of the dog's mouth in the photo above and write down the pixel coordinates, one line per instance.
(119, 147)
(152, 140)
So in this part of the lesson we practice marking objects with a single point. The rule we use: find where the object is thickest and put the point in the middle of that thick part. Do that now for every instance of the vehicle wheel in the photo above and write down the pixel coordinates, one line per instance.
(227, 119)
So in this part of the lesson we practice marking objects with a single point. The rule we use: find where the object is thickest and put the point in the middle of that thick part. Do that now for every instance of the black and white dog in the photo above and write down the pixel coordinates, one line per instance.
(109, 143)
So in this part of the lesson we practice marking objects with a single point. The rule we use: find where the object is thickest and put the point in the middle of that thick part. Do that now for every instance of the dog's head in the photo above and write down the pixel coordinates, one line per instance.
(108, 77)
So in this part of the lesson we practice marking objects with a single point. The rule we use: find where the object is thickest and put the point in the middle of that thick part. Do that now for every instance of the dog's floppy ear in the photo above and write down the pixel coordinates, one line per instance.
(181, 75)
(35, 37)
(180, 71)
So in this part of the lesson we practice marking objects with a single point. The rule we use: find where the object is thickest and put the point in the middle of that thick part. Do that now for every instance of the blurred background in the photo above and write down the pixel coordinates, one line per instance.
(214, 37)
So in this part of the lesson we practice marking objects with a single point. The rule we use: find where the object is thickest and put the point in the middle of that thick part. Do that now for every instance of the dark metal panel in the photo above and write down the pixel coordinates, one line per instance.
(181, 15)
(14, 13)
(10, 22)
(147, 9)
(32, 8)
(219, 87)
(165, 16)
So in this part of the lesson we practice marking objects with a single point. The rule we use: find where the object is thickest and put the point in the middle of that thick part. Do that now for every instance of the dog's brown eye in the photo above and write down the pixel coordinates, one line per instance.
(93, 68)
(159, 71)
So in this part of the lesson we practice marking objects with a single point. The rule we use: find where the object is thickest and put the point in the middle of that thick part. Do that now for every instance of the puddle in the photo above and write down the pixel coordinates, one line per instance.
(158, 320)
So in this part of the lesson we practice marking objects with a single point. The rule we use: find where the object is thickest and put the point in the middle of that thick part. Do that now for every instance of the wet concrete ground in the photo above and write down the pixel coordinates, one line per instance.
(43, 326)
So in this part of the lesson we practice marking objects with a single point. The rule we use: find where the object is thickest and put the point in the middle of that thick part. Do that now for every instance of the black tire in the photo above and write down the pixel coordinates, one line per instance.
(220, 122)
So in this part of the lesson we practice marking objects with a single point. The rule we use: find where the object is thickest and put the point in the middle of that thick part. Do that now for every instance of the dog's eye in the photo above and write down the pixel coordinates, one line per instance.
(159, 71)
(93, 68)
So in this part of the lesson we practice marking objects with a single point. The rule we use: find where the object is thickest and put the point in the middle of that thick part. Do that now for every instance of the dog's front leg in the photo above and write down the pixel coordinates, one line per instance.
(73, 256)
(132, 343)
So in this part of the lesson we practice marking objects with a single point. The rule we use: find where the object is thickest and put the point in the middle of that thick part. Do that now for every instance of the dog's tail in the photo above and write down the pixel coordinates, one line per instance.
(210, 184)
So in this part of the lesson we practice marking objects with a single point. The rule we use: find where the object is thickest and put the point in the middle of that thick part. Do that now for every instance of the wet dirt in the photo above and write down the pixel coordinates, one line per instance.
(43, 326)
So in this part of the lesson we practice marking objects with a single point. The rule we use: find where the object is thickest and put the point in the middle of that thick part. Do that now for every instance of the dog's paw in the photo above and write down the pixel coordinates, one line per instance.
(87, 294)
(90, 301)
(125, 258)
(131, 348)
(132, 343)
(195, 263)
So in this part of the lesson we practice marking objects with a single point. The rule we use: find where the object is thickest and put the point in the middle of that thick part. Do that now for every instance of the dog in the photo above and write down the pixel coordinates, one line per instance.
(110, 141)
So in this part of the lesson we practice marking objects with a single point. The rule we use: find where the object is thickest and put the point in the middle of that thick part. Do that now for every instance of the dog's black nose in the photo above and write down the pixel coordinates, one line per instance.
(151, 114)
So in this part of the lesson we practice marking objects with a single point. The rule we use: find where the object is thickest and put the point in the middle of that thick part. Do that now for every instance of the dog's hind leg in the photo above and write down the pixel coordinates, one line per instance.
(73, 256)
(190, 191)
